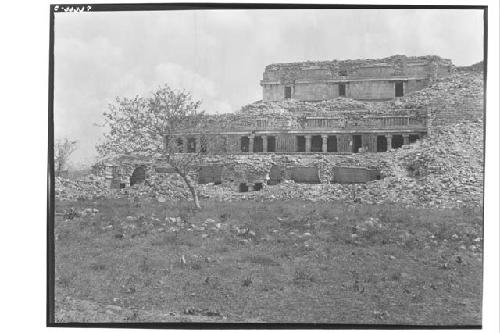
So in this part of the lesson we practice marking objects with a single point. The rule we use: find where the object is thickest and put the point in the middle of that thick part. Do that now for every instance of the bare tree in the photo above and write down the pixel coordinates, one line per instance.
(142, 125)
(63, 149)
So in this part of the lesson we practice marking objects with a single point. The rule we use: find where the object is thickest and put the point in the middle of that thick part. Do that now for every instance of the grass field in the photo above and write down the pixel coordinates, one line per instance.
(132, 261)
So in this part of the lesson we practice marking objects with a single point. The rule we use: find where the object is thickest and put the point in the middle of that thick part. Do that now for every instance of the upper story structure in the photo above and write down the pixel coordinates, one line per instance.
(372, 80)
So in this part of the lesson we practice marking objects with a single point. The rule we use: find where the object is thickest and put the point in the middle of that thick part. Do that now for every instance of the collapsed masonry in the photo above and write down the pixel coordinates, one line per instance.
(266, 141)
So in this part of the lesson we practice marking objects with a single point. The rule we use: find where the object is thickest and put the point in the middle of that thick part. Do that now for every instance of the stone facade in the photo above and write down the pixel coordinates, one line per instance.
(293, 133)
(341, 130)
(378, 79)
(314, 134)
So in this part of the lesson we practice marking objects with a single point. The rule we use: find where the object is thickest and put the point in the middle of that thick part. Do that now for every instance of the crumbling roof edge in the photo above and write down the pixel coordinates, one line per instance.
(409, 59)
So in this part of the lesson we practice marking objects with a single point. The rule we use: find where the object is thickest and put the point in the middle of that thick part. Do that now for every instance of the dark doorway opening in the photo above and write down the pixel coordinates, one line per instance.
(341, 89)
(301, 143)
(274, 175)
(243, 187)
(223, 147)
(381, 143)
(316, 144)
(258, 144)
(191, 145)
(167, 141)
(399, 89)
(123, 185)
(307, 175)
(180, 145)
(397, 141)
(138, 176)
(288, 92)
(257, 186)
(414, 138)
(331, 144)
(356, 143)
(355, 175)
(271, 144)
(244, 142)
(203, 144)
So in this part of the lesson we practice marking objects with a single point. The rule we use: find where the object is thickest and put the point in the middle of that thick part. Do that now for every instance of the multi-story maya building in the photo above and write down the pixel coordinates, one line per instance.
(372, 80)
(331, 131)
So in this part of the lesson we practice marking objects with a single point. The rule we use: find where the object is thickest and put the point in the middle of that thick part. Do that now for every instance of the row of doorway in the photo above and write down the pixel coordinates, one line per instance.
(317, 143)
(258, 144)
(356, 144)
(397, 141)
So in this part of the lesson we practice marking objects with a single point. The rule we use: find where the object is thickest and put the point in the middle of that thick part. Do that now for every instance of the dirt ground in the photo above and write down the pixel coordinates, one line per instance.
(121, 260)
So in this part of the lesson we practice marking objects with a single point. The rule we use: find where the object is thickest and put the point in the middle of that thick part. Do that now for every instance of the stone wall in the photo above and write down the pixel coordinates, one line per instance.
(312, 92)
(361, 90)
(273, 92)
(415, 85)
(314, 81)
(315, 70)
(371, 90)
(376, 71)
(466, 109)
(256, 168)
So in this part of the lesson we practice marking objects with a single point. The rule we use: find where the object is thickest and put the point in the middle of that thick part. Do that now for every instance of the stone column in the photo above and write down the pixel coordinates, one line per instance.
(165, 142)
(406, 139)
(197, 141)
(308, 143)
(225, 144)
(184, 144)
(389, 141)
(112, 176)
(324, 147)
(250, 143)
(264, 143)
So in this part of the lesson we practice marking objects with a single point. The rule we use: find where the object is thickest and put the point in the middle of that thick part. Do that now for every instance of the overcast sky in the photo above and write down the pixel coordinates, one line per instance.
(220, 55)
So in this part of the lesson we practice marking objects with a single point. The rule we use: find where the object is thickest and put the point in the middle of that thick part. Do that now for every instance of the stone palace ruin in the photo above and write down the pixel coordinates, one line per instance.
(336, 130)
(326, 132)
(329, 122)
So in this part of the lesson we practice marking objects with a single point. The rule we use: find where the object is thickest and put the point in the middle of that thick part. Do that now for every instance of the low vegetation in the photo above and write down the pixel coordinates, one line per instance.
(291, 261)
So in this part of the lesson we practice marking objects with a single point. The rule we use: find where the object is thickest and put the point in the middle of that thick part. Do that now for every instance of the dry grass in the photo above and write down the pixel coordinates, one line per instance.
(277, 262)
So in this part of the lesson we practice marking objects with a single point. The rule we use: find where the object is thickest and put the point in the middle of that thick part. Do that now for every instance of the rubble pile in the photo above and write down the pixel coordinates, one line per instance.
(477, 67)
(451, 149)
(450, 162)
(443, 170)
(245, 168)
(158, 186)
(295, 107)
(88, 188)
(448, 89)
(162, 187)
(449, 100)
